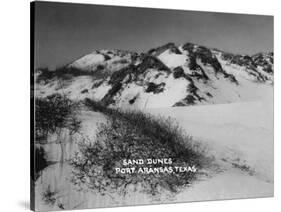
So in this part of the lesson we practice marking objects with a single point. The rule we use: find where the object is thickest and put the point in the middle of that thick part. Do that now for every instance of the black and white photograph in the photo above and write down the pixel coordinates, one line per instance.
(138, 106)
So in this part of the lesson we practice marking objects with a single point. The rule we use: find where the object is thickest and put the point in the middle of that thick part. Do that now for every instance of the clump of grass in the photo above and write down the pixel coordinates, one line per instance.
(134, 135)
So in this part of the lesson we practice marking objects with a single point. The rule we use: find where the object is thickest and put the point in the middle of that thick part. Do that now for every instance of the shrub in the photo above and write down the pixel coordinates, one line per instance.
(134, 135)
(132, 101)
(188, 47)
(85, 91)
(97, 83)
(178, 72)
(54, 113)
(192, 65)
(106, 57)
(44, 75)
(100, 67)
(268, 69)
(189, 100)
(155, 88)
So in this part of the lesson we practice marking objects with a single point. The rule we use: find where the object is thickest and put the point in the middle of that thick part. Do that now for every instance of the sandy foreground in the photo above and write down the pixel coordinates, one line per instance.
(239, 136)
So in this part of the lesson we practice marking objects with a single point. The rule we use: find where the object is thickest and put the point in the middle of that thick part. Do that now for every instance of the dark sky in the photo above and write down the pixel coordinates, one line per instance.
(64, 32)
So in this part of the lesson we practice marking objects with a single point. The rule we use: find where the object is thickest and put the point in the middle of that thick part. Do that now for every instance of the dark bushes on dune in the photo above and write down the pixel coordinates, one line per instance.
(178, 72)
(134, 135)
(63, 73)
(155, 88)
(52, 114)
(118, 76)
(149, 61)
(157, 51)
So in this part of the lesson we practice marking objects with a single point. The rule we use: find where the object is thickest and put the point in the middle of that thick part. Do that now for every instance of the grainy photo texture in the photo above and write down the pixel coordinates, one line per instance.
(136, 106)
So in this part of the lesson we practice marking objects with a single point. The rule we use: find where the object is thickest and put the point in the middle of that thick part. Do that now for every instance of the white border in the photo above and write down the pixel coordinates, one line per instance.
(14, 76)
